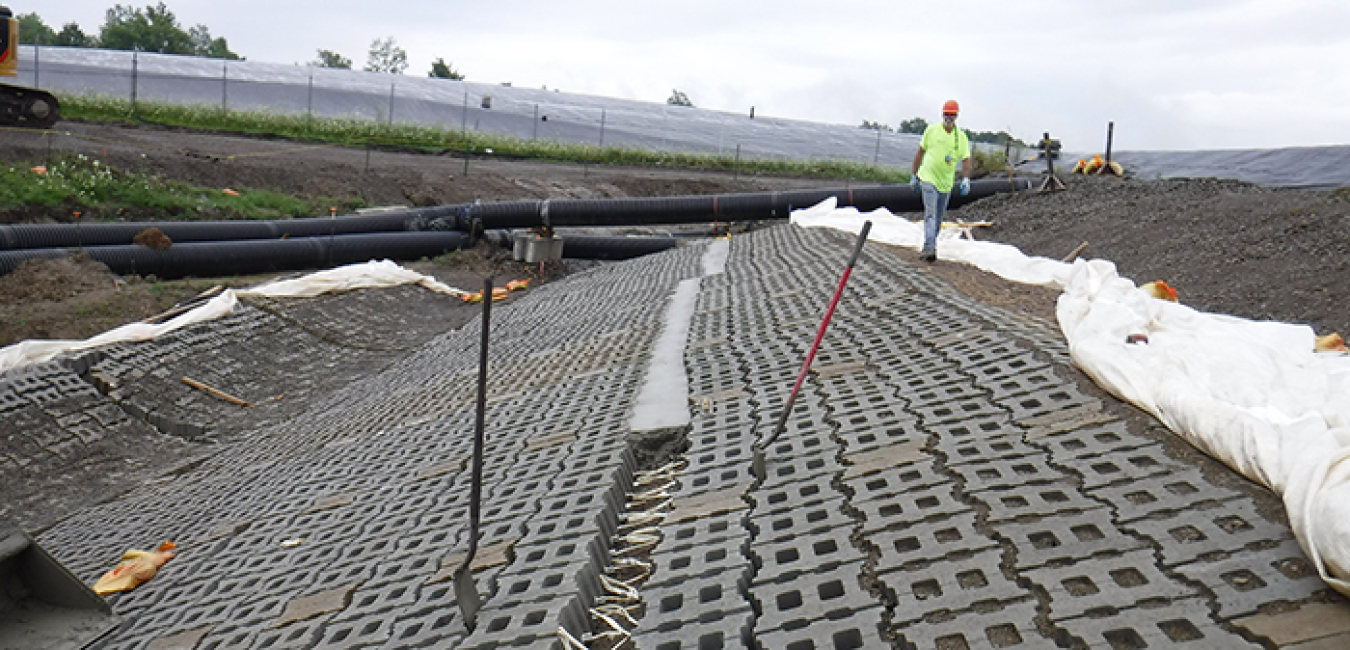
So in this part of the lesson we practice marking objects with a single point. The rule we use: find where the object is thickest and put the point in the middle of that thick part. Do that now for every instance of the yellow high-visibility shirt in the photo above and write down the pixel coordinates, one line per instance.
(942, 151)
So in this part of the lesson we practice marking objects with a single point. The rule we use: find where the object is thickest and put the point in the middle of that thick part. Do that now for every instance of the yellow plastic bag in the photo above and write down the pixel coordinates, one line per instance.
(135, 568)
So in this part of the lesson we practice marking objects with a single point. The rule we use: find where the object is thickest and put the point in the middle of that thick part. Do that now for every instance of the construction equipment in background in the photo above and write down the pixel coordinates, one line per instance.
(1099, 165)
(42, 604)
(1050, 151)
(21, 106)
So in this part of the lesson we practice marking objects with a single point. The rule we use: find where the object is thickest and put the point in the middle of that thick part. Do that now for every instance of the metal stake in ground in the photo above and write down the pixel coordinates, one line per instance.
(761, 472)
(465, 590)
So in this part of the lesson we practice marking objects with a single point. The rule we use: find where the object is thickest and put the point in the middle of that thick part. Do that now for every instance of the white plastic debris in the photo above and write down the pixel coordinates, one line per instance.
(367, 275)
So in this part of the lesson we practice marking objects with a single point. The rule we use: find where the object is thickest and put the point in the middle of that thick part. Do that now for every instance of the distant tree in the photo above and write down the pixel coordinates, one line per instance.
(331, 59)
(678, 98)
(204, 45)
(442, 70)
(72, 36)
(916, 125)
(32, 30)
(877, 126)
(153, 30)
(1001, 137)
(386, 56)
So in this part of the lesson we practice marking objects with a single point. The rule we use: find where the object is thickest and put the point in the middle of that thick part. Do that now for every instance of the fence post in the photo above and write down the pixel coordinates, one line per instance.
(309, 99)
(391, 105)
(224, 87)
(536, 123)
(37, 60)
(877, 154)
(135, 54)
(464, 116)
(602, 128)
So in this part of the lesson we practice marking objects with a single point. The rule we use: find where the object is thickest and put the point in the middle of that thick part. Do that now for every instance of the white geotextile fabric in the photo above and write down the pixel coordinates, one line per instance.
(371, 274)
(1252, 394)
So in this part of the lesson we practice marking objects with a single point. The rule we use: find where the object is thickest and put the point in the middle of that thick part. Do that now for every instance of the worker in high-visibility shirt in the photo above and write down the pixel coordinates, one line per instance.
(934, 173)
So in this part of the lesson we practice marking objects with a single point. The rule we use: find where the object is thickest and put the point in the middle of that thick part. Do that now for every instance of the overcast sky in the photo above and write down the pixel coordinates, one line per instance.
(1171, 74)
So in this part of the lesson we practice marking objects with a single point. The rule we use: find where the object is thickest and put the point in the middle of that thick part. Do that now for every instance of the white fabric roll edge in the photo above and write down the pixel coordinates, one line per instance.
(383, 273)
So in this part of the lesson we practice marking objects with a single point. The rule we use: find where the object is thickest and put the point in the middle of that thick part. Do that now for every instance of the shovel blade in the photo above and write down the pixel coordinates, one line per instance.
(466, 593)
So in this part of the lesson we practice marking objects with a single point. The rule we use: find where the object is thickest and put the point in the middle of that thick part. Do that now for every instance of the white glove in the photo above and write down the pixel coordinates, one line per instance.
(965, 186)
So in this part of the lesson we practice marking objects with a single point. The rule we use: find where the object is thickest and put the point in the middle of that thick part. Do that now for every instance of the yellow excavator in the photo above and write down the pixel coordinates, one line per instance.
(19, 106)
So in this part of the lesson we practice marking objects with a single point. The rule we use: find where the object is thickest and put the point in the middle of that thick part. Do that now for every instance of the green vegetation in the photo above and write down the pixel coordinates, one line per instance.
(352, 132)
(678, 98)
(82, 184)
(386, 56)
(331, 59)
(442, 70)
(982, 163)
(154, 29)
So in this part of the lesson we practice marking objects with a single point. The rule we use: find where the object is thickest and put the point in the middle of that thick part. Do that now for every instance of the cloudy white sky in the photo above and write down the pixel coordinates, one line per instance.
(1171, 74)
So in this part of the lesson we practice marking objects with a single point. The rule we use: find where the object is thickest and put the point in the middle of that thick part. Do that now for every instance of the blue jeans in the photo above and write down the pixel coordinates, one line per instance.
(934, 207)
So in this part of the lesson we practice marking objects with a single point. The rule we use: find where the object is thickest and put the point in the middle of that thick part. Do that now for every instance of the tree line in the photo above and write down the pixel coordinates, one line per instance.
(917, 126)
(156, 29)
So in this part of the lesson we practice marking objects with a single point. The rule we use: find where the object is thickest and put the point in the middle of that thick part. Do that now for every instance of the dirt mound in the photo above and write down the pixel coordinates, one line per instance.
(54, 280)
(1228, 247)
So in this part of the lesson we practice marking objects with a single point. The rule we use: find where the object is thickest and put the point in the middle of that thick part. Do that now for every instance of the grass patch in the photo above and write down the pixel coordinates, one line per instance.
(354, 132)
(84, 184)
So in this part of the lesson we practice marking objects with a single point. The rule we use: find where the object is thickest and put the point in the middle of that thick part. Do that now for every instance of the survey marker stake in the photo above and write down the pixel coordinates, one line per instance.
(761, 472)
(465, 590)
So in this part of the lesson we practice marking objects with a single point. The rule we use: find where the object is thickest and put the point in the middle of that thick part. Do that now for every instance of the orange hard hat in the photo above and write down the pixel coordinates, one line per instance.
(951, 107)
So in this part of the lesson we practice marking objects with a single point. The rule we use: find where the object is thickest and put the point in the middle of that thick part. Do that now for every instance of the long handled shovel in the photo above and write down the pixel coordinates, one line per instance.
(466, 592)
(761, 472)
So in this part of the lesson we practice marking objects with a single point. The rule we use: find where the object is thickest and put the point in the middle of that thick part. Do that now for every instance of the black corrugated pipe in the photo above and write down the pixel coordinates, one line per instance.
(703, 209)
(478, 217)
(104, 233)
(215, 259)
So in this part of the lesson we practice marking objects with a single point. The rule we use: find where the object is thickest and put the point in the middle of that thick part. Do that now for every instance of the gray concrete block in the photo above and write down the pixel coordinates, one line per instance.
(1067, 537)
(934, 539)
(699, 559)
(1210, 530)
(967, 581)
(807, 553)
(1103, 584)
(1245, 580)
(1183, 623)
(704, 598)
(1039, 500)
(895, 480)
(1170, 492)
(795, 603)
(1002, 625)
(720, 630)
(909, 508)
(816, 518)
(857, 629)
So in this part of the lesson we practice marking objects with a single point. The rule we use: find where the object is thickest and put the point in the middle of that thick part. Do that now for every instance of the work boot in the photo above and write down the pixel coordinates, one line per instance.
(928, 256)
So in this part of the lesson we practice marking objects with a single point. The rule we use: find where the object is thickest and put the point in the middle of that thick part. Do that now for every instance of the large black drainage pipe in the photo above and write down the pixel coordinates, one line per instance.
(503, 215)
(105, 233)
(704, 209)
(215, 259)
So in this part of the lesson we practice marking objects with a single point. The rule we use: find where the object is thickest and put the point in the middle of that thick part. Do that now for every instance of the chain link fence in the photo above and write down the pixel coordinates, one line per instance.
(528, 114)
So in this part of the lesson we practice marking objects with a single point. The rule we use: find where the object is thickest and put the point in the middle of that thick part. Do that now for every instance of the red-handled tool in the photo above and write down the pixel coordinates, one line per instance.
(761, 472)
